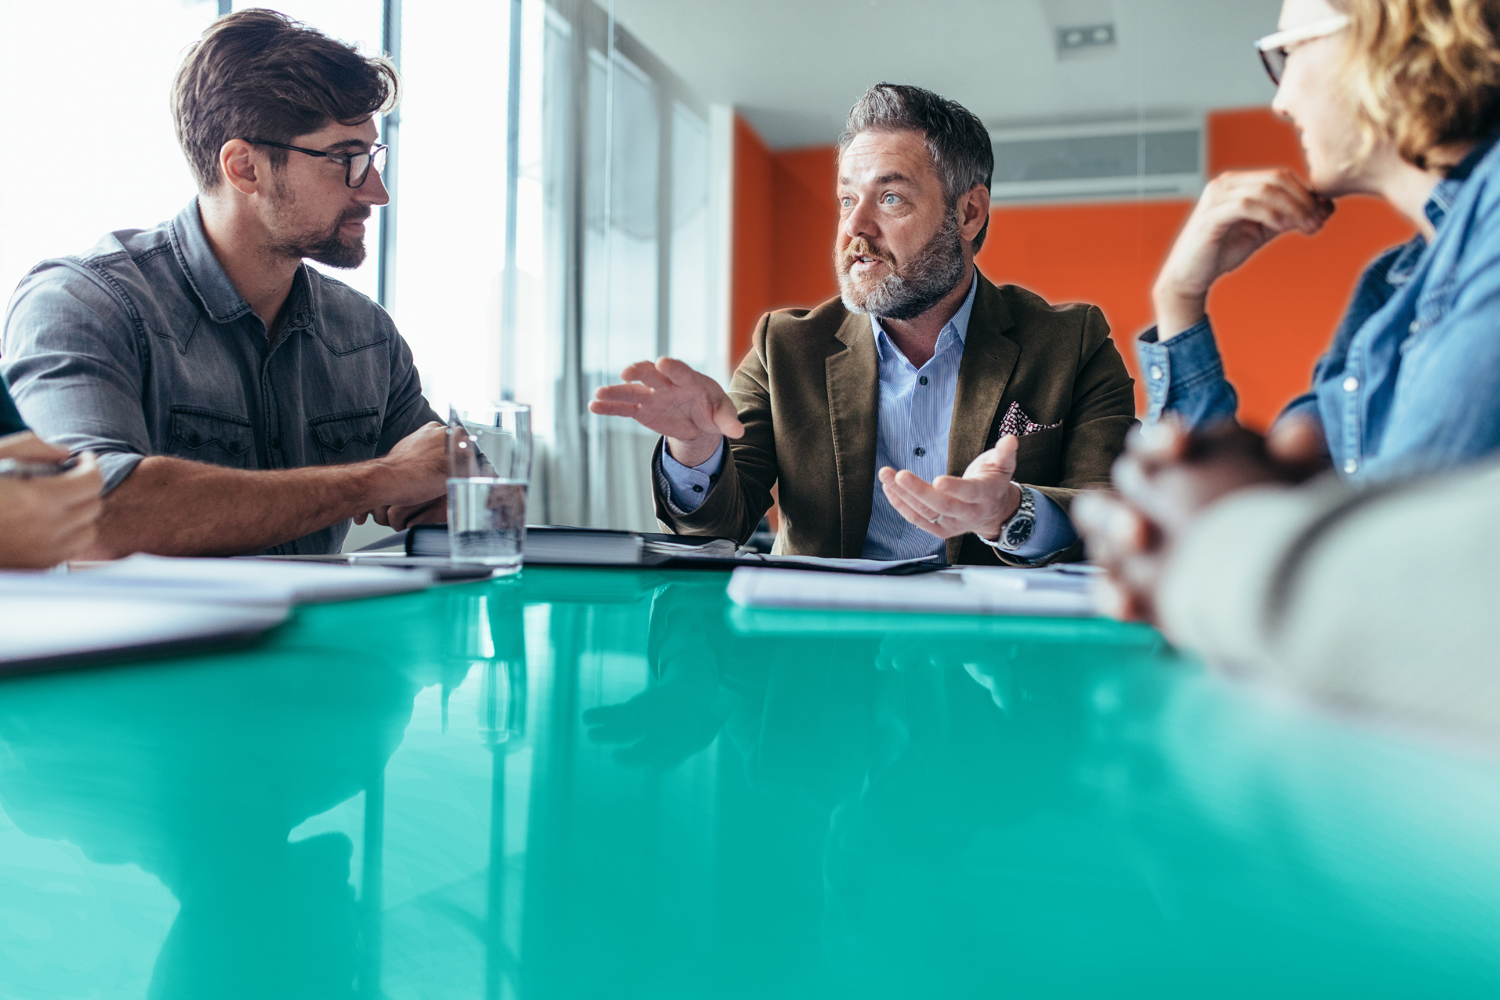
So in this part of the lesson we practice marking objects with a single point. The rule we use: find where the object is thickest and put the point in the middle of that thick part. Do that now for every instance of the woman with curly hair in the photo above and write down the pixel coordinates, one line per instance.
(1398, 99)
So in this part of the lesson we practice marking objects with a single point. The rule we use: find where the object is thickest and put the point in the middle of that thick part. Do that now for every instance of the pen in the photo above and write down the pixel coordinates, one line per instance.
(15, 468)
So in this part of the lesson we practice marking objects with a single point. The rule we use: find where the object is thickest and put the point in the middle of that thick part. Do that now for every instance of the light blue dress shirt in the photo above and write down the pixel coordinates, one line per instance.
(916, 412)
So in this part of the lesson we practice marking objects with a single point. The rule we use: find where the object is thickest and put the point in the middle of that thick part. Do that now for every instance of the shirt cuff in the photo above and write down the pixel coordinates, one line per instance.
(1052, 531)
(1185, 375)
(690, 487)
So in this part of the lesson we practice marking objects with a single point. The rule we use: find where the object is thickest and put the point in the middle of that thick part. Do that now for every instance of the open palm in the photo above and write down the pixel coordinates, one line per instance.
(686, 407)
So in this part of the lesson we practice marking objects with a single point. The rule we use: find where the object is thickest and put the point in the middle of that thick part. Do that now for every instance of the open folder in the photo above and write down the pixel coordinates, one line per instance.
(556, 545)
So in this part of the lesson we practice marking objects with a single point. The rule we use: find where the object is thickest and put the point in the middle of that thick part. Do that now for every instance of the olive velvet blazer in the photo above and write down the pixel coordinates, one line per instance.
(808, 394)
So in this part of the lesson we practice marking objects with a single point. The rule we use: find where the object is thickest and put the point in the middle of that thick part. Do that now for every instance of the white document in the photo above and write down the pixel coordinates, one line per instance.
(49, 621)
(962, 590)
(245, 581)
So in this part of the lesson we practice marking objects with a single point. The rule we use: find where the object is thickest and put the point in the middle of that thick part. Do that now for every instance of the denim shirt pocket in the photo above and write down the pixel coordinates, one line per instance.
(346, 437)
(203, 435)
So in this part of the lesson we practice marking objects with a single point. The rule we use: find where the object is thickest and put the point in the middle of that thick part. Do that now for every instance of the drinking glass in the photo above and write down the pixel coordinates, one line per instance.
(489, 468)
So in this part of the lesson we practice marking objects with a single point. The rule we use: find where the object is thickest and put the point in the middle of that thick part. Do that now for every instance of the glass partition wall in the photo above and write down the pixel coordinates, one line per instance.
(611, 229)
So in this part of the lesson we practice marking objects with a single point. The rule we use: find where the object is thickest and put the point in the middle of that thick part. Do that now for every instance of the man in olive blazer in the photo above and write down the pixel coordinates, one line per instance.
(842, 406)
(808, 393)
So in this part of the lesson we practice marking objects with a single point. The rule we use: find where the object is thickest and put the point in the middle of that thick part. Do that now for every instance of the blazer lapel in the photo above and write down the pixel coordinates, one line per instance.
(989, 358)
(853, 408)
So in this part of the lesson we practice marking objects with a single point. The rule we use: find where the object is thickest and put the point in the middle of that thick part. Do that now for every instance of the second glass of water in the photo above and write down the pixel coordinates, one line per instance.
(489, 468)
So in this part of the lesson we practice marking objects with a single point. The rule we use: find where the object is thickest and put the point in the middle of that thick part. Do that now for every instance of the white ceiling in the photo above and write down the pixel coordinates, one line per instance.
(794, 67)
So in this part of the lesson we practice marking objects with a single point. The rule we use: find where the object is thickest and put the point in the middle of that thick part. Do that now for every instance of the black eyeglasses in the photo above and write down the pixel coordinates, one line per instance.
(356, 165)
(1274, 49)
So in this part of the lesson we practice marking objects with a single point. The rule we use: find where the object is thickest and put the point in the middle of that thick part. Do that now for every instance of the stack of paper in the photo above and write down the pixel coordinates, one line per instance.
(150, 603)
(251, 580)
(966, 590)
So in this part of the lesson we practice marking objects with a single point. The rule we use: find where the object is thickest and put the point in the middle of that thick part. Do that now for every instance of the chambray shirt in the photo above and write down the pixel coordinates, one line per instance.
(1411, 382)
(142, 346)
(916, 413)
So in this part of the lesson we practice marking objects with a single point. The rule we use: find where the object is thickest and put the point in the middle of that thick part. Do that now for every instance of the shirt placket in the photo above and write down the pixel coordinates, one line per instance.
(1353, 393)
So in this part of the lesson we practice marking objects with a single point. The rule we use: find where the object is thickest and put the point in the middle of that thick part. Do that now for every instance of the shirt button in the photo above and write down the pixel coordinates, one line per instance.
(1416, 325)
(697, 489)
(1351, 466)
(923, 380)
(921, 452)
(1156, 372)
(1351, 384)
(276, 442)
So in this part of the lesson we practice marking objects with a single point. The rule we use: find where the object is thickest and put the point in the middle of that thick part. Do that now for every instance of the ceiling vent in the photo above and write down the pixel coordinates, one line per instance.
(1111, 161)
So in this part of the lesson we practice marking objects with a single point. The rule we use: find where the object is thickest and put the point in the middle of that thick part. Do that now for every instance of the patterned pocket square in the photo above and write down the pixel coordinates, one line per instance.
(1018, 423)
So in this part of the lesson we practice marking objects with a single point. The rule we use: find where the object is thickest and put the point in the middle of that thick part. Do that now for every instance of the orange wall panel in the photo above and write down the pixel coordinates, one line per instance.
(1273, 317)
(806, 209)
(751, 288)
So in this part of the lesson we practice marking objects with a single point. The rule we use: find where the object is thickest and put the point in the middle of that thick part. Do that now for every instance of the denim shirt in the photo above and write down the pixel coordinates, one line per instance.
(1409, 382)
(142, 346)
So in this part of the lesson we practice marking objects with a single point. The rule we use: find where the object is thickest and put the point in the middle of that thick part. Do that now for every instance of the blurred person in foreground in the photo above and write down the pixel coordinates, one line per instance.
(239, 400)
(44, 520)
(1394, 98)
(926, 411)
(1377, 598)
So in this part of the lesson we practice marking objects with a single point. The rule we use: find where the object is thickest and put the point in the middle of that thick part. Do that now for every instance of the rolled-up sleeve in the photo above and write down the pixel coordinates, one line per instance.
(406, 408)
(72, 360)
(1185, 376)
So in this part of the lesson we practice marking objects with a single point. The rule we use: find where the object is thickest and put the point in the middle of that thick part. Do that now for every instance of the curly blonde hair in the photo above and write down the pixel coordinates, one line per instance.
(1424, 73)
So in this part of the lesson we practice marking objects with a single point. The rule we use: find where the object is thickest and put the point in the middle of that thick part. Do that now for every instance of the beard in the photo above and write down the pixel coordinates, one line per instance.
(909, 289)
(326, 246)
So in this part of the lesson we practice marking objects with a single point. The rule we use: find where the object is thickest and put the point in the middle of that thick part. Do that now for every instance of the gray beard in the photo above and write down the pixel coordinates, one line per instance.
(919, 285)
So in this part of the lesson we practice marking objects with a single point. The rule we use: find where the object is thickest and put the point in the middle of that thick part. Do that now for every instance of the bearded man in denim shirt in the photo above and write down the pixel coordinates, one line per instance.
(238, 400)
(1391, 103)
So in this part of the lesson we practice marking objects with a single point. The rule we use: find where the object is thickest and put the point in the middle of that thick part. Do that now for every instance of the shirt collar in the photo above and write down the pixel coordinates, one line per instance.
(1446, 192)
(205, 274)
(957, 327)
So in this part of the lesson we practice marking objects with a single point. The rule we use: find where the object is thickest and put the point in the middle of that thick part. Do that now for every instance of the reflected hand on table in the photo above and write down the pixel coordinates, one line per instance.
(980, 501)
(679, 714)
(689, 409)
(46, 520)
(1166, 479)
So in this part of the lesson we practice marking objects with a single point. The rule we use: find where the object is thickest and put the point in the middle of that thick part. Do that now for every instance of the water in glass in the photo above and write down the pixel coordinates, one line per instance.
(489, 468)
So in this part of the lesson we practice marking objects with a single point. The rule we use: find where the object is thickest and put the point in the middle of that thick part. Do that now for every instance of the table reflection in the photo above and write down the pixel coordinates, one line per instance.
(199, 777)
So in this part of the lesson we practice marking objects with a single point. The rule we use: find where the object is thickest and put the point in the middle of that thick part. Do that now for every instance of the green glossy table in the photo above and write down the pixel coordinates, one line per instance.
(613, 784)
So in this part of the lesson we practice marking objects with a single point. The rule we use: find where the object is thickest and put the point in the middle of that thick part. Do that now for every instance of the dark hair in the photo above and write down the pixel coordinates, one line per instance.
(956, 139)
(257, 73)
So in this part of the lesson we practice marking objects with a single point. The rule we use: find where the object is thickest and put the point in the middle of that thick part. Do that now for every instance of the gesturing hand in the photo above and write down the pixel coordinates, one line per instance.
(979, 502)
(686, 407)
(1239, 213)
(1166, 479)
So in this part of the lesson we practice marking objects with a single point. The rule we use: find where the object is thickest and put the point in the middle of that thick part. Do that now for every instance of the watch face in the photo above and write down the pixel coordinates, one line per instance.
(1018, 533)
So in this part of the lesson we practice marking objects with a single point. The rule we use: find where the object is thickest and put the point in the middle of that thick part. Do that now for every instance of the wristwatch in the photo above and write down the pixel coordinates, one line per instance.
(1017, 531)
